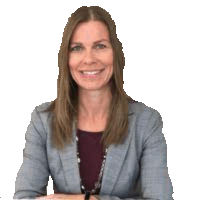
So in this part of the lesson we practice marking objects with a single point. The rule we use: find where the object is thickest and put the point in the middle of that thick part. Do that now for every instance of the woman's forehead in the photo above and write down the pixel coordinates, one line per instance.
(90, 32)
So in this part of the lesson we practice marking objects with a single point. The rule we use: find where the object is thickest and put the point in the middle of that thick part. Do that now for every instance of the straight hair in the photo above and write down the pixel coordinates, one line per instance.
(64, 108)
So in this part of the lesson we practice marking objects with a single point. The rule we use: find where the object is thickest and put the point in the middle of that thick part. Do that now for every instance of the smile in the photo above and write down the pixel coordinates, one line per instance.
(91, 74)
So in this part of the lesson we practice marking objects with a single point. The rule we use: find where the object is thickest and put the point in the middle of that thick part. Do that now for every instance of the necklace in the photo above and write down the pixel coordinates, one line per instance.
(98, 183)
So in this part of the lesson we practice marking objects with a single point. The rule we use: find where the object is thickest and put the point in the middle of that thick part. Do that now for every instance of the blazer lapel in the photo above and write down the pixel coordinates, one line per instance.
(114, 162)
(70, 165)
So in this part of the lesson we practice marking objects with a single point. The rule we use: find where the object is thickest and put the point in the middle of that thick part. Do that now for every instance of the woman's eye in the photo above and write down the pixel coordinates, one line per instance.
(74, 48)
(101, 45)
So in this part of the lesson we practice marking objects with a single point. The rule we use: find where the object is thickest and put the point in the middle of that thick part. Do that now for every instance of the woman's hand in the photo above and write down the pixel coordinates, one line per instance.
(64, 197)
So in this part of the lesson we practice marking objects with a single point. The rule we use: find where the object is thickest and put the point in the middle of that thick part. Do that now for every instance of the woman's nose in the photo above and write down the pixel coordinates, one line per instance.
(89, 57)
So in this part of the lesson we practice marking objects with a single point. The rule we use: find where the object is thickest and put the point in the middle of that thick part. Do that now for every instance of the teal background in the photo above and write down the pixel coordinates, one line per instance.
(162, 50)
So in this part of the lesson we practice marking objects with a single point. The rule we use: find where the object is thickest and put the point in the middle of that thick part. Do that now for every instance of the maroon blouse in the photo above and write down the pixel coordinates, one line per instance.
(91, 155)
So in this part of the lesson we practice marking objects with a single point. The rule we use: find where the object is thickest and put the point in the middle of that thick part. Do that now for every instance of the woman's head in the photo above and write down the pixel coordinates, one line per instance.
(91, 51)
(81, 16)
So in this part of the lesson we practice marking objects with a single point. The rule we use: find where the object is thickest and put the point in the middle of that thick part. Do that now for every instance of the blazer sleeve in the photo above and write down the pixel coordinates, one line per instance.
(155, 182)
(33, 176)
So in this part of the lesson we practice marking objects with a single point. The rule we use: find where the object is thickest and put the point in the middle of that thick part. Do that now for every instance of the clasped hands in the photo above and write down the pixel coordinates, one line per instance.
(66, 197)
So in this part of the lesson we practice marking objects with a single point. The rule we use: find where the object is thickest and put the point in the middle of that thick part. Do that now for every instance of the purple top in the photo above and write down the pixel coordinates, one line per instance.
(91, 155)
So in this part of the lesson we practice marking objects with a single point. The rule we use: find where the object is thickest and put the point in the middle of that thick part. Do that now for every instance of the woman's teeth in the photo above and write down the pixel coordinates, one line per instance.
(94, 72)
(91, 72)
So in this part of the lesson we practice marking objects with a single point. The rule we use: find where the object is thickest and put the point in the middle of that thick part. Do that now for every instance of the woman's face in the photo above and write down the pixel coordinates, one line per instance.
(90, 51)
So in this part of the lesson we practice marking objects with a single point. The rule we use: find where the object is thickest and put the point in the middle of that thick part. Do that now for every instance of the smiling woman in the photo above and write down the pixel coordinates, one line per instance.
(93, 138)
(91, 66)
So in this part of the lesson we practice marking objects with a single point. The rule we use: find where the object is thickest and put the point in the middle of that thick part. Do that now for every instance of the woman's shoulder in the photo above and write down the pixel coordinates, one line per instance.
(144, 114)
(44, 106)
(42, 112)
(138, 108)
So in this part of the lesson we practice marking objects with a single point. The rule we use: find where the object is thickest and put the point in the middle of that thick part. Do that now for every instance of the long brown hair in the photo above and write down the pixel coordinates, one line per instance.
(64, 107)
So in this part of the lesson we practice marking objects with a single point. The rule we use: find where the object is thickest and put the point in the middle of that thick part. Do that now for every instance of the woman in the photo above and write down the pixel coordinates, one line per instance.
(93, 137)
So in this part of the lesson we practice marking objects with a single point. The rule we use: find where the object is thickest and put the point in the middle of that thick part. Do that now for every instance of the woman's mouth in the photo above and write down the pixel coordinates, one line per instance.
(91, 74)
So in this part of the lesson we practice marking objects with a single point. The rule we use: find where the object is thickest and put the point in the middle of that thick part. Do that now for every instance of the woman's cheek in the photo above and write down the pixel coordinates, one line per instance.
(74, 60)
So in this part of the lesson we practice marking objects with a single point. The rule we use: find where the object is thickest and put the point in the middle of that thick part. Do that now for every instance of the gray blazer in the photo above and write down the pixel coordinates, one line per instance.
(136, 169)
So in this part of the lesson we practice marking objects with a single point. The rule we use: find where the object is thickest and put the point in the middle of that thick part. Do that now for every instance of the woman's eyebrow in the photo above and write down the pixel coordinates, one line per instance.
(98, 41)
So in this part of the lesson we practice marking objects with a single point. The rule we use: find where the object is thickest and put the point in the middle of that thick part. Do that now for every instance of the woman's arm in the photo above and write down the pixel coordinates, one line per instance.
(33, 176)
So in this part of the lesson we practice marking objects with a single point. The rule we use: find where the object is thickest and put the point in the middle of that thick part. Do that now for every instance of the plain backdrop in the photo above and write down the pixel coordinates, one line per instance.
(161, 43)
